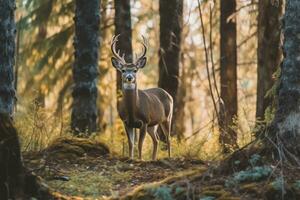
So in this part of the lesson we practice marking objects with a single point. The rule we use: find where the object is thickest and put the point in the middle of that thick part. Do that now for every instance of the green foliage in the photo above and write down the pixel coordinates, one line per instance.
(179, 190)
(207, 198)
(237, 162)
(250, 175)
(161, 193)
(254, 159)
(297, 184)
(270, 111)
(278, 183)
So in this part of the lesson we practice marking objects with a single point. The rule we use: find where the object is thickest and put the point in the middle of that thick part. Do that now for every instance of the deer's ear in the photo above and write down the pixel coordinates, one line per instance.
(116, 63)
(141, 63)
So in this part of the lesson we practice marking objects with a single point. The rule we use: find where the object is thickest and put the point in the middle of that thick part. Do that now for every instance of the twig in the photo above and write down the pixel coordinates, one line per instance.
(212, 56)
(198, 130)
(206, 58)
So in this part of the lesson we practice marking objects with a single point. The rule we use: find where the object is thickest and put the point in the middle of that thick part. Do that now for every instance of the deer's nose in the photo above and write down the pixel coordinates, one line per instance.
(129, 78)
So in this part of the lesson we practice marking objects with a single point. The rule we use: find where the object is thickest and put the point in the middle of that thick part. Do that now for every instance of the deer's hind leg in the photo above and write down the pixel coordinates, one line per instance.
(166, 128)
(152, 132)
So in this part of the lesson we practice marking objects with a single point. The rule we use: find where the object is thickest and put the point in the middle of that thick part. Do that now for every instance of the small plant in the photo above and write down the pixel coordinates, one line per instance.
(278, 183)
(162, 193)
(255, 158)
(253, 174)
(297, 184)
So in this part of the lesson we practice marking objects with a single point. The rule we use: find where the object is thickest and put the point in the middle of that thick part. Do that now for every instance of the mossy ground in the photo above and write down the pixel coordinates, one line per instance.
(79, 167)
(207, 186)
(257, 180)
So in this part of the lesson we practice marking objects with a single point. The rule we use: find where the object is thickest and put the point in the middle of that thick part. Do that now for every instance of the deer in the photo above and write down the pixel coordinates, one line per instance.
(146, 110)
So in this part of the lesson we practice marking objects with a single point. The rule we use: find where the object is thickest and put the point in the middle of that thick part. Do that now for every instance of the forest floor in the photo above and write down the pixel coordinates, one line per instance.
(86, 170)
(82, 169)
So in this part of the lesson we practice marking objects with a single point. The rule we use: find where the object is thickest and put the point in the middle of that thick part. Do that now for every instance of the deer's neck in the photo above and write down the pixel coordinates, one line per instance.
(130, 101)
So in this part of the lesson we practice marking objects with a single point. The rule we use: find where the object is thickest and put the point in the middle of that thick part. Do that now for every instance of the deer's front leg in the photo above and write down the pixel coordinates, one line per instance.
(141, 139)
(130, 135)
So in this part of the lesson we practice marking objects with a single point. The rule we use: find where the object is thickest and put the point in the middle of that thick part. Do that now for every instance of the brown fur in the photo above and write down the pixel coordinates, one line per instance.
(143, 109)
(147, 109)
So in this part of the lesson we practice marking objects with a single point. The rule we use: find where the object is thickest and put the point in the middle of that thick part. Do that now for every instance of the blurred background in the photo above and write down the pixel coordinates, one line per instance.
(44, 61)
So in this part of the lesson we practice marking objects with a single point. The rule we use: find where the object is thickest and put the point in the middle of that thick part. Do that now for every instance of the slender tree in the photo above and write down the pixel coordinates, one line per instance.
(7, 52)
(228, 105)
(269, 53)
(85, 70)
(123, 27)
(170, 47)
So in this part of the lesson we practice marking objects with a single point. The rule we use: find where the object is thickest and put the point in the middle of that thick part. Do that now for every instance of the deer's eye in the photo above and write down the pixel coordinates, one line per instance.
(135, 71)
(123, 71)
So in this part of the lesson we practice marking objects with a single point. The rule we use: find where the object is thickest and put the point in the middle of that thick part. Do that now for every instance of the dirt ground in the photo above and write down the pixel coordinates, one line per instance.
(78, 167)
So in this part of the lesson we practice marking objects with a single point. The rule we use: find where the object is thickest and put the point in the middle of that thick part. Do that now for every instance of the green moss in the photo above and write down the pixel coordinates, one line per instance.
(207, 198)
(254, 159)
(161, 193)
(179, 190)
(72, 148)
(297, 185)
(250, 175)
(278, 183)
(237, 162)
(88, 184)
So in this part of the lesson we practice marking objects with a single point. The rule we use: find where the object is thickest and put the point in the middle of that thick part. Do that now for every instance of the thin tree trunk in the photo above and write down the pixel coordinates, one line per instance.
(228, 106)
(40, 96)
(170, 47)
(269, 53)
(285, 128)
(7, 52)
(85, 70)
(123, 27)
(179, 125)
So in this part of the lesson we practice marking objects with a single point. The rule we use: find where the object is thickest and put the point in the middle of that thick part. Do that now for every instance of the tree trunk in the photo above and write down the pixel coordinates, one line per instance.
(170, 47)
(85, 70)
(179, 125)
(285, 128)
(123, 27)
(7, 52)
(228, 106)
(15, 182)
(40, 96)
(269, 53)
(11, 168)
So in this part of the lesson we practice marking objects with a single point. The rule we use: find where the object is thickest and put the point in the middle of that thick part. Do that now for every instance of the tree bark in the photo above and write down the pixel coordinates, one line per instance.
(15, 182)
(11, 167)
(285, 127)
(123, 27)
(85, 70)
(269, 53)
(7, 52)
(228, 106)
(171, 16)
(179, 125)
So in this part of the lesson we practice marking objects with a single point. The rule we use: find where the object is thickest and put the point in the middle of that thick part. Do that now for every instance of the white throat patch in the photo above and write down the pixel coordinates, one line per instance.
(128, 86)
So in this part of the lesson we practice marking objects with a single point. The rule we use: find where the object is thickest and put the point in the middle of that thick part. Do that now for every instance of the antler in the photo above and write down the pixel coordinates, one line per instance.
(143, 52)
(115, 52)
